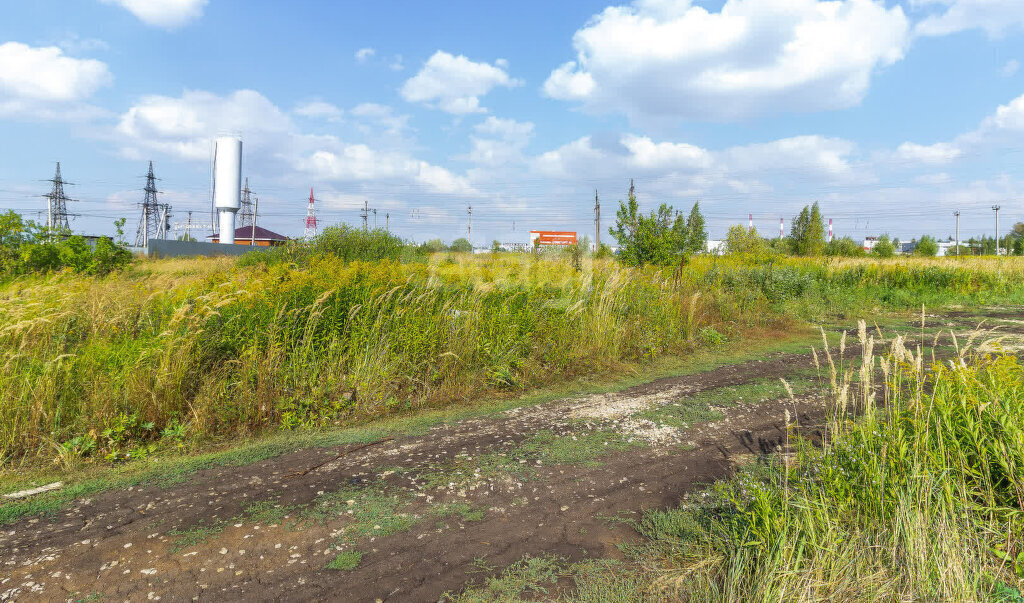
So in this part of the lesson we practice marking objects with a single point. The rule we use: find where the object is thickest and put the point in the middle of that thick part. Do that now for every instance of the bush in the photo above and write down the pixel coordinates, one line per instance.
(28, 247)
(461, 245)
(741, 239)
(844, 247)
(343, 242)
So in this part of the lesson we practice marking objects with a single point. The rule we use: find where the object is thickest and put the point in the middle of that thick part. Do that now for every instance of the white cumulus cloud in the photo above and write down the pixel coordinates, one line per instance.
(45, 83)
(938, 153)
(455, 84)
(365, 54)
(499, 142)
(183, 126)
(168, 14)
(671, 59)
(318, 109)
(996, 17)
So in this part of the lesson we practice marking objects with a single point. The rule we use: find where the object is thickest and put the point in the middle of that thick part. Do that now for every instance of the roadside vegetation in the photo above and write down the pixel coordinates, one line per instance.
(357, 324)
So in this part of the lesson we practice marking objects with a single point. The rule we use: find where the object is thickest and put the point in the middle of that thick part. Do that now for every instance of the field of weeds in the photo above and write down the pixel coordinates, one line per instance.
(172, 351)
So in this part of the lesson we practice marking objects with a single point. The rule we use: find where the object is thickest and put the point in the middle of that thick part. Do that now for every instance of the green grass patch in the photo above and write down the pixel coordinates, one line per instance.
(575, 448)
(346, 561)
(195, 535)
(526, 579)
(463, 510)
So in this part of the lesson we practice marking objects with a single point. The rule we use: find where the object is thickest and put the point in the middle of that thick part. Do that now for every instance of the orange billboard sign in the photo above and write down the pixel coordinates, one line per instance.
(553, 237)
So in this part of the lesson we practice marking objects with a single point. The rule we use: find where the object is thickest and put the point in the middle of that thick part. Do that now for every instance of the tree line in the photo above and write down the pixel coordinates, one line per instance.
(666, 237)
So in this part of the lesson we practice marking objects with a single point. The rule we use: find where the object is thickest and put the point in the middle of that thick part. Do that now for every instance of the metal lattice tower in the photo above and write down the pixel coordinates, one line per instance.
(245, 215)
(154, 222)
(310, 217)
(56, 204)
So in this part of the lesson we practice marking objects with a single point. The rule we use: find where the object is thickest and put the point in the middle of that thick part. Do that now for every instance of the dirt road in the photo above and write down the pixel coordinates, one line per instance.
(414, 517)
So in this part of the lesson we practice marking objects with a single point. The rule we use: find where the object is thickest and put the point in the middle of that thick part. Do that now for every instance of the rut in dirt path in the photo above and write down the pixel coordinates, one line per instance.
(412, 517)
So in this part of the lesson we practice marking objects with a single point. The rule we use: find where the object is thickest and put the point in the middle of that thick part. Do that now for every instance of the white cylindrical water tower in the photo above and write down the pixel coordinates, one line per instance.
(227, 184)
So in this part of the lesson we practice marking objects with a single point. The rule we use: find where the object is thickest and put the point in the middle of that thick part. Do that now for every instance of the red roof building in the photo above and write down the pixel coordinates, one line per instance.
(263, 238)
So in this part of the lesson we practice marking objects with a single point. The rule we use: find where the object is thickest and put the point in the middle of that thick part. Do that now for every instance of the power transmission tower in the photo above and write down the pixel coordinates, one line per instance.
(597, 221)
(375, 218)
(387, 222)
(995, 208)
(957, 214)
(245, 215)
(56, 204)
(469, 223)
(153, 221)
(365, 213)
(311, 221)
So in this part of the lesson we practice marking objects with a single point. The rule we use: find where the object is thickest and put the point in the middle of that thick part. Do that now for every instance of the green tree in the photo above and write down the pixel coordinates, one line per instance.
(927, 246)
(884, 247)
(625, 226)
(657, 238)
(696, 232)
(740, 239)
(461, 245)
(808, 232)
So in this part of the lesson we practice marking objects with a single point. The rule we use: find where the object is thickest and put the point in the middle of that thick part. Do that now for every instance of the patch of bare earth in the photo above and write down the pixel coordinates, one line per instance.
(128, 544)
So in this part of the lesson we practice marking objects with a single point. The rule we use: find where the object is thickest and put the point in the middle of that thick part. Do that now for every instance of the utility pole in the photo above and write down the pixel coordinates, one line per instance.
(255, 213)
(164, 225)
(387, 221)
(995, 208)
(56, 204)
(957, 214)
(188, 227)
(365, 213)
(597, 221)
(375, 218)
(469, 223)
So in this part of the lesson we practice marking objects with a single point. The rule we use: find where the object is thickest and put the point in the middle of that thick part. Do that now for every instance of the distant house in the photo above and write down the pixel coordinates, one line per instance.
(264, 237)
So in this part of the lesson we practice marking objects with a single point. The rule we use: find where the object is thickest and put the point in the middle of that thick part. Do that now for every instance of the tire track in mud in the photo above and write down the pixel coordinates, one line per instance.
(124, 544)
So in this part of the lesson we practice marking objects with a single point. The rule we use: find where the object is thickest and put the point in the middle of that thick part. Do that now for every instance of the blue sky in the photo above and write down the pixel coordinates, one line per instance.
(891, 114)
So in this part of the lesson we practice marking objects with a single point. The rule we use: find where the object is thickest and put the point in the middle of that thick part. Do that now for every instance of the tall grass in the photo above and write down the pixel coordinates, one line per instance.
(102, 365)
(177, 349)
(915, 495)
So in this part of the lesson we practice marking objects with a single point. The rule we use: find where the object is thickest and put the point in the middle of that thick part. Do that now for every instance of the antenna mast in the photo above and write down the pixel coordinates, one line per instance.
(311, 220)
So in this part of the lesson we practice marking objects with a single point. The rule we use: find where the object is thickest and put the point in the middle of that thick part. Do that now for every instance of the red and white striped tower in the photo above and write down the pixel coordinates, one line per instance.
(310, 217)
(782, 231)
(751, 225)
(830, 230)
